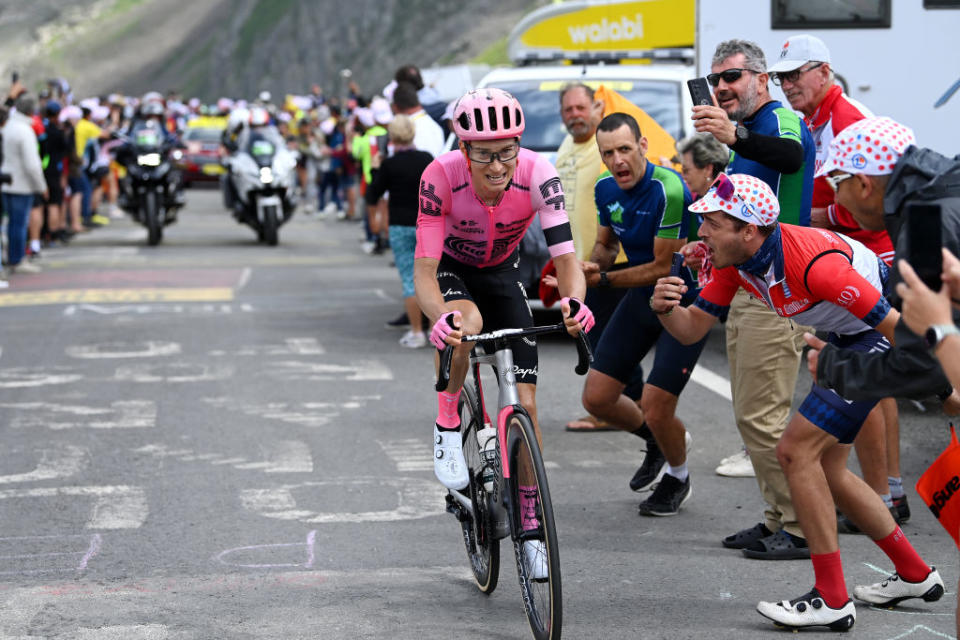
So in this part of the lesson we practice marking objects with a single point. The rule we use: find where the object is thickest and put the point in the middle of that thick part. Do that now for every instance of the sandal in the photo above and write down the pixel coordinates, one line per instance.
(779, 546)
(589, 423)
(747, 537)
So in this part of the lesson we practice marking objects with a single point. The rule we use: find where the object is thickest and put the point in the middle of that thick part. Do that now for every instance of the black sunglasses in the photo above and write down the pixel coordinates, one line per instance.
(793, 76)
(729, 76)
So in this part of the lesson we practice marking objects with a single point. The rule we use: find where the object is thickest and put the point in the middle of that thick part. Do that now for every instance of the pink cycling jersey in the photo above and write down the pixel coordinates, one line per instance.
(452, 220)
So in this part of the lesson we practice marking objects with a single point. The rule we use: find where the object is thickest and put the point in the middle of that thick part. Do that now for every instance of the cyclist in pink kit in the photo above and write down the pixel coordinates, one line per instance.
(476, 203)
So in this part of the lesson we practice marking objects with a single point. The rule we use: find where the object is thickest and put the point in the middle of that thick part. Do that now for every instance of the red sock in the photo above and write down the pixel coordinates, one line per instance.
(828, 572)
(905, 558)
(447, 415)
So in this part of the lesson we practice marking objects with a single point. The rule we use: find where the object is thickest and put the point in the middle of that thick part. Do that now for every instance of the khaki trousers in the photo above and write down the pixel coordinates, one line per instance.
(764, 351)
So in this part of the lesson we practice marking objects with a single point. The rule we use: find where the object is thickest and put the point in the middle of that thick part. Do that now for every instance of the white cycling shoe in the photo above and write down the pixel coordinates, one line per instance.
(535, 559)
(809, 610)
(895, 589)
(448, 463)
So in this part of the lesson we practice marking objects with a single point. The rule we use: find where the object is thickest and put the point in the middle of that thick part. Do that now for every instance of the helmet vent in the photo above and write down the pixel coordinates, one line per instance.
(506, 117)
(492, 112)
(464, 121)
(478, 119)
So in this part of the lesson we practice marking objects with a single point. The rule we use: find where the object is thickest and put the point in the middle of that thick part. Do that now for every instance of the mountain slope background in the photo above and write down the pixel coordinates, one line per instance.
(212, 48)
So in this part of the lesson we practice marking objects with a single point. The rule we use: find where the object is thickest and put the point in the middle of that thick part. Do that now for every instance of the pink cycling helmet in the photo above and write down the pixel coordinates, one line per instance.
(487, 114)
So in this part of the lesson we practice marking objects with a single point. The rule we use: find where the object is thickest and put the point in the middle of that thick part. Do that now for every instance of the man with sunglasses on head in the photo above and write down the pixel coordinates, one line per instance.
(805, 74)
(476, 203)
(819, 278)
(769, 142)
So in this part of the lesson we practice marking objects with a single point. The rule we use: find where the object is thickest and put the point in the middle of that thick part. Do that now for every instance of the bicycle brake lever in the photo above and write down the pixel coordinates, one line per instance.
(584, 353)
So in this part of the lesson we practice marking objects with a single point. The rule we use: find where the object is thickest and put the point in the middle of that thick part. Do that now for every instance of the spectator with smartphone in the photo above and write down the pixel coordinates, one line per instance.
(771, 143)
(877, 193)
(804, 72)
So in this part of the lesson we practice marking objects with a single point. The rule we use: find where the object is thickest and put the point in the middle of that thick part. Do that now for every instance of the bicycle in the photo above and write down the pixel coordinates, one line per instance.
(489, 508)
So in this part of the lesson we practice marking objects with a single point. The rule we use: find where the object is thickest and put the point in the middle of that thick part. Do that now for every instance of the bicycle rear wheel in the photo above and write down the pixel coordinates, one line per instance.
(542, 596)
(483, 549)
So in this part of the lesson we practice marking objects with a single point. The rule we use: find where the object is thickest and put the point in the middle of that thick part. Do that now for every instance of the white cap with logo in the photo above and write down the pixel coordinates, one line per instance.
(798, 51)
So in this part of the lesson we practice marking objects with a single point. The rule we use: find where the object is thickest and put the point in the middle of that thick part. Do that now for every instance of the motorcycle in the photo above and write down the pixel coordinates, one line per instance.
(260, 183)
(150, 192)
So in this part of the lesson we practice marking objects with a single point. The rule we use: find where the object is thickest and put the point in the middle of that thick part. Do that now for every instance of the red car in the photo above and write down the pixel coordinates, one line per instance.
(200, 160)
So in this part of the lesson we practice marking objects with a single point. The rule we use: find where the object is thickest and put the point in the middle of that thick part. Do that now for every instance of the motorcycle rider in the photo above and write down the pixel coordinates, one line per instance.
(149, 117)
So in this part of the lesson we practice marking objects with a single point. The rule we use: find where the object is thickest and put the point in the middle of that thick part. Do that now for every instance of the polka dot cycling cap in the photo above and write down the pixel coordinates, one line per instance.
(745, 197)
(872, 146)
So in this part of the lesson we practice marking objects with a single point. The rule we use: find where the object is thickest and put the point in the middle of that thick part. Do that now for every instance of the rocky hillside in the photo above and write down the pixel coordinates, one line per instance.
(211, 48)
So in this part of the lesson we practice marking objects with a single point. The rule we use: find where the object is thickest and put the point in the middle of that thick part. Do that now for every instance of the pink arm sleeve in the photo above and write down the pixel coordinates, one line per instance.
(434, 203)
(546, 198)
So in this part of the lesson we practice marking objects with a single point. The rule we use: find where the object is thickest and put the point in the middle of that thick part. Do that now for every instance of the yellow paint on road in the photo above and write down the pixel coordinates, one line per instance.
(108, 296)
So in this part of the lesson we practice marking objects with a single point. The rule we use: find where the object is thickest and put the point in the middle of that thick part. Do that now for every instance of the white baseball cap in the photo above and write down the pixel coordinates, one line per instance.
(799, 50)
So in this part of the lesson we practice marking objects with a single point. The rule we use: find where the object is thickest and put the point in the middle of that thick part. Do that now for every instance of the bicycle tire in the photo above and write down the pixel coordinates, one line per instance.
(483, 549)
(542, 599)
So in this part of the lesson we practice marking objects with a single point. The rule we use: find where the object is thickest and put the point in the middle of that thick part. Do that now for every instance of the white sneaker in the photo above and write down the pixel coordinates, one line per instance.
(736, 466)
(368, 247)
(25, 267)
(535, 558)
(809, 610)
(412, 340)
(448, 463)
(895, 589)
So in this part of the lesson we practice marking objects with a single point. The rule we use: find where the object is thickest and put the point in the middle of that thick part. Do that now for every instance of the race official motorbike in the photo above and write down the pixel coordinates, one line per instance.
(259, 187)
(151, 191)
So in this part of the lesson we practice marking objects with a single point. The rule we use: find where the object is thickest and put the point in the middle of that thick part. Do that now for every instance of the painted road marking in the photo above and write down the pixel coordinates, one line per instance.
(284, 456)
(110, 296)
(22, 377)
(173, 372)
(363, 370)
(122, 414)
(27, 555)
(409, 454)
(125, 632)
(268, 551)
(290, 347)
(712, 381)
(307, 414)
(415, 498)
(105, 350)
(114, 507)
(143, 309)
(59, 461)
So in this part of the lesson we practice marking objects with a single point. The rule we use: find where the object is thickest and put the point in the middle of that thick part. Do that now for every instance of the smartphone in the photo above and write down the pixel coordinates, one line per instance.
(700, 92)
(924, 242)
(14, 77)
(676, 265)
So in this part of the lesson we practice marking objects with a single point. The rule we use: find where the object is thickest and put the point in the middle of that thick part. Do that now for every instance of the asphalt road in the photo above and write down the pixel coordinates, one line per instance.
(217, 439)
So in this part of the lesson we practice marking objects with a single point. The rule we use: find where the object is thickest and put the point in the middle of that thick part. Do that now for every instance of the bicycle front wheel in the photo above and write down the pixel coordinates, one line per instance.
(483, 548)
(534, 531)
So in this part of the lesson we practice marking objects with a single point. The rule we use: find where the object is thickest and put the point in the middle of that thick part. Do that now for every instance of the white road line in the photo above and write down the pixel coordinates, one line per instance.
(409, 454)
(20, 378)
(173, 372)
(712, 381)
(122, 414)
(147, 349)
(244, 279)
(114, 507)
(125, 632)
(415, 498)
(284, 456)
(56, 462)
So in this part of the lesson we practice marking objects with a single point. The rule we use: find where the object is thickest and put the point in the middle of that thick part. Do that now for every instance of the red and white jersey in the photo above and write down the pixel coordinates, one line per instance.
(816, 277)
(836, 112)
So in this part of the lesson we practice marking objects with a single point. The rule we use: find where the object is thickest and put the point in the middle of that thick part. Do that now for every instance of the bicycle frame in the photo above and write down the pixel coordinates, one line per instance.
(508, 398)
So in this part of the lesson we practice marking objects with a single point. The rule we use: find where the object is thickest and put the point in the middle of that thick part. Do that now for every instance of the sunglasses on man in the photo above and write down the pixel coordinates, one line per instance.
(729, 76)
(792, 76)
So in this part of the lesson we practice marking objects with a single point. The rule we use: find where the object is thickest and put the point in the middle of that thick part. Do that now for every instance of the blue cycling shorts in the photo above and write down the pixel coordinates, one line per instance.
(828, 410)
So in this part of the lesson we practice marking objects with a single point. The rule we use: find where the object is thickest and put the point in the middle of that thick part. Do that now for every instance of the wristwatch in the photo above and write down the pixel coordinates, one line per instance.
(935, 334)
(742, 133)
(604, 281)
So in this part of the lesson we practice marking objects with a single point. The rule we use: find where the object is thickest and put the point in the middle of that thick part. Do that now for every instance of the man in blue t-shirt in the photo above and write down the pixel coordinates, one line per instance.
(642, 207)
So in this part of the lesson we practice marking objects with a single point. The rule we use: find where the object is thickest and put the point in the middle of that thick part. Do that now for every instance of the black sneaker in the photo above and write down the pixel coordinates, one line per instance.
(902, 509)
(400, 322)
(652, 467)
(667, 497)
(846, 525)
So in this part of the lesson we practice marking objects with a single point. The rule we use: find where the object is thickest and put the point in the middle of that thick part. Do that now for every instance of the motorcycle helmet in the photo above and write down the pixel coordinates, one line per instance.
(487, 114)
(152, 108)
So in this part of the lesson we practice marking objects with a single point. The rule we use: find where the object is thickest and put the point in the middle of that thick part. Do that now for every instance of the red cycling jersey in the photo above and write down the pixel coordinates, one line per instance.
(818, 278)
(835, 113)
(453, 220)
